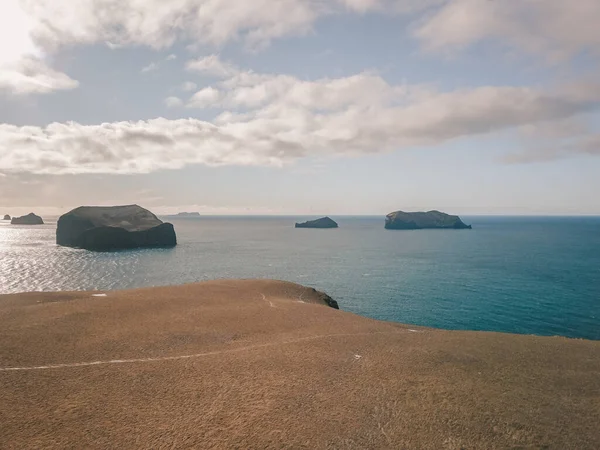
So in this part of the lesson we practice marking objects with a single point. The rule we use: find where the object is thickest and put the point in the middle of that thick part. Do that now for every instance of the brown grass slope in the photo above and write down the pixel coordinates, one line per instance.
(267, 371)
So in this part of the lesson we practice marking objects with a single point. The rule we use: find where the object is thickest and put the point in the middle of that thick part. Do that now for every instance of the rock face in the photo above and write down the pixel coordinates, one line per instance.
(29, 219)
(6, 217)
(324, 222)
(401, 220)
(326, 299)
(104, 228)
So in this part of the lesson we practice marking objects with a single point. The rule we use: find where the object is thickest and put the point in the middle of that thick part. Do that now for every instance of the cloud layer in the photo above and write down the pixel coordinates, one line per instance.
(554, 29)
(275, 119)
(135, 147)
(272, 119)
(33, 76)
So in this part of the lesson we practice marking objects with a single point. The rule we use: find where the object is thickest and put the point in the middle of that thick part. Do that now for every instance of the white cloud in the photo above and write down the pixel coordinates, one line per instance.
(356, 115)
(133, 147)
(555, 29)
(204, 98)
(113, 46)
(22, 69)
(15, 33)
(149, 68)
(32, 76)
(252, 90)
(159, 24)
(173, 102)
(189, 86)
(153, 66)
(273, 119)
(213, 66)
(361, 5)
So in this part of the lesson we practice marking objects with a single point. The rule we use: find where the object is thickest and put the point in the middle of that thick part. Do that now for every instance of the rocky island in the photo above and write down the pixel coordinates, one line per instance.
(6, 217)
(29, 219)
(323, 222)
(104, 228)
(401, 220)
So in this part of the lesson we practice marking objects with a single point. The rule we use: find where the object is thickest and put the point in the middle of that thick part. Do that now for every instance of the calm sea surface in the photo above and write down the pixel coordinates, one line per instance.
(522, 275)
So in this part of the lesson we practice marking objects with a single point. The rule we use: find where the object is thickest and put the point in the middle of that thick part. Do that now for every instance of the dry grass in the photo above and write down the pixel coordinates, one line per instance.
(272, 372)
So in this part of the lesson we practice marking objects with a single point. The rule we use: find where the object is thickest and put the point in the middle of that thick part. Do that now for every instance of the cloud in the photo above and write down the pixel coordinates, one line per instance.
(204, 98)
(585, 146)
(213, 66)
(554, 29)
(247, 89)
(557, 139)
(149, 68)
(173, 102)
(32, 76)
(158, 24)
(361, 5)
(113, 46)
(135, 147)
(188, 86)
(15, 33)
(153, 66)
(274, 120)
(22, 68)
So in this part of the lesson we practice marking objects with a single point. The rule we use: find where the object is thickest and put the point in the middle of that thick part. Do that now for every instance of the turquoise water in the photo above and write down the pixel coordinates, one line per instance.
(513, 274)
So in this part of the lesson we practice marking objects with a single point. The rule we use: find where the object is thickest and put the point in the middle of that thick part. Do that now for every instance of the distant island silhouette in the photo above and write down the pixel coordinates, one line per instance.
(187, 214)
(29, 219)
(323, 222)
(400, 220)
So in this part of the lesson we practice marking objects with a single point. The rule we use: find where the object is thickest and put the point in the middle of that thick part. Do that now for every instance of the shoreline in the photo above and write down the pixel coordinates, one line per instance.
(262, 363)
(20, 296)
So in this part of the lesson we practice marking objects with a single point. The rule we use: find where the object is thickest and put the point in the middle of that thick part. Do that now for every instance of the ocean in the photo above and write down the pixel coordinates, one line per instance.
(532, 275)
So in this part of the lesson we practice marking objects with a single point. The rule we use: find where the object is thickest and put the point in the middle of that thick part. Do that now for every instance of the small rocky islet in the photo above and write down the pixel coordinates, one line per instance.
(105, 228)
(29, 219)
(187, 215)
(323, 222)
(400, 220)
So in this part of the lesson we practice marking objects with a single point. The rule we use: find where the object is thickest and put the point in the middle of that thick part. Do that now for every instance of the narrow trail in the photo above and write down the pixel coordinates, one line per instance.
(193, 356)
(264, 297)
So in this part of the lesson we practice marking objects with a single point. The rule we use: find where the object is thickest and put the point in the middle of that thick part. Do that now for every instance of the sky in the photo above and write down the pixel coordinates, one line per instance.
(308, 107)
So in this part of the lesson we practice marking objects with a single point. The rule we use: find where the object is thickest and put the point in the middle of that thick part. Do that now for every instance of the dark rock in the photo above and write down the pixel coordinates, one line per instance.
(327, 299)
(401, 220)
(29, 219)
(6, 217)
(324, 222)
(104, 228)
